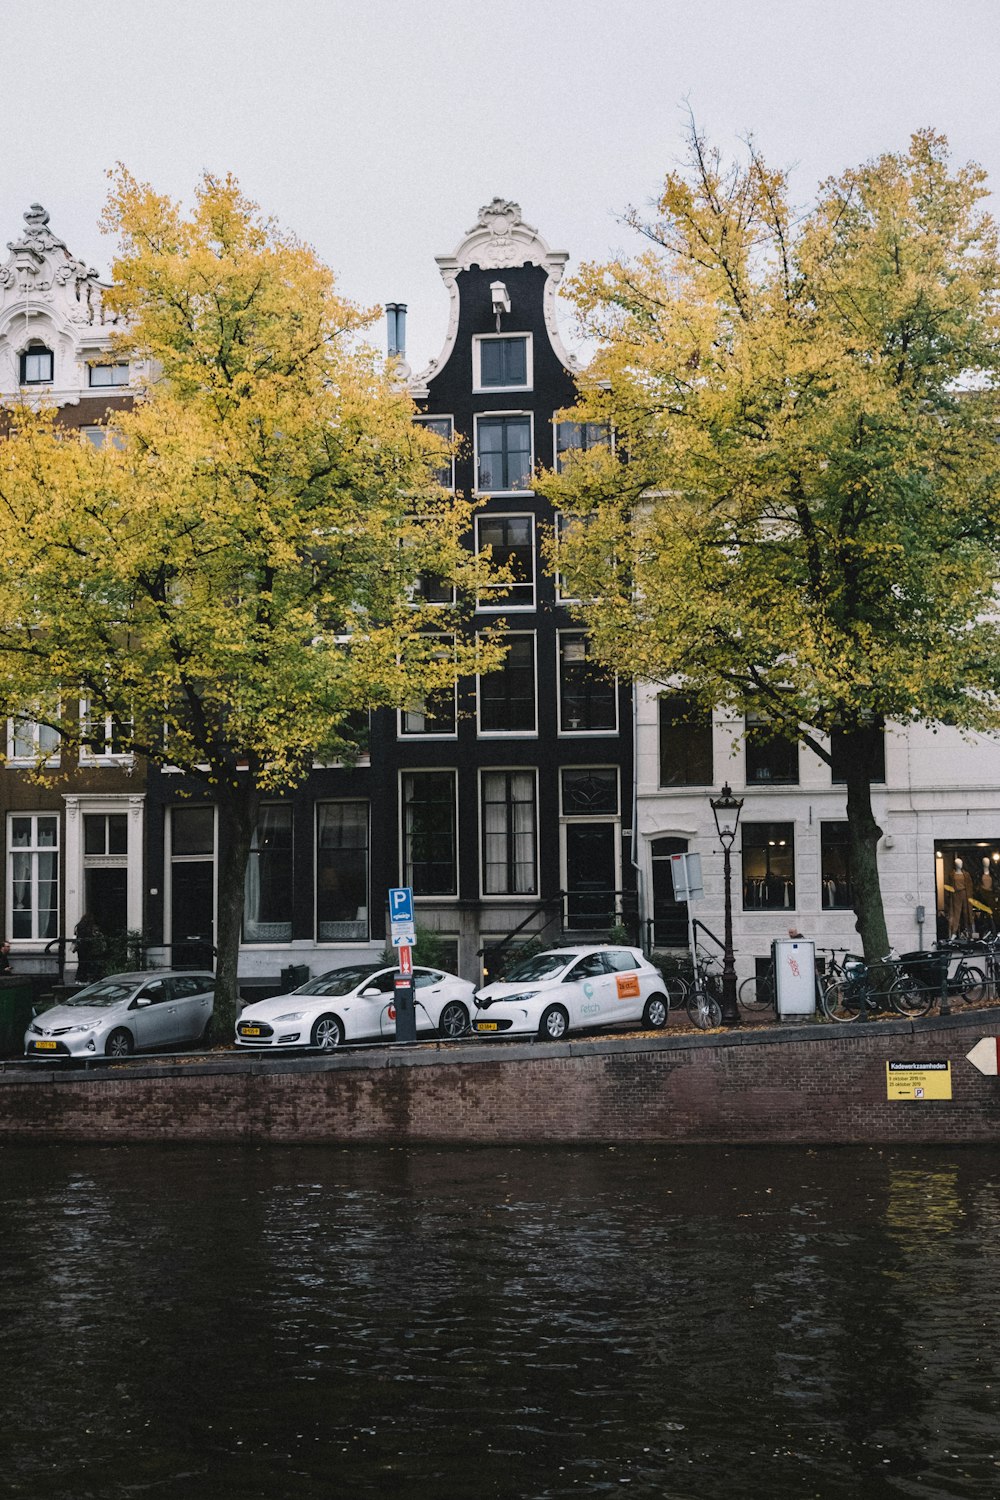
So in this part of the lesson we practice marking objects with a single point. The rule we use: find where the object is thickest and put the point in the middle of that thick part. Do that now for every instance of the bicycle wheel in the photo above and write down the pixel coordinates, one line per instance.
(756, 994)
(677, 990)
(908, 998)
(840, 1002)
(969, 982)
(704, 1010)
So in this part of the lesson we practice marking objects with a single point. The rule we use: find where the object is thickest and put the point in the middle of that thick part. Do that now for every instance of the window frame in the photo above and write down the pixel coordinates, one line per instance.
(34, 849)
(503, 416)
(34, 349)
(105, 757)
(107, 364)
(532, 733)
(775, 825)
(755, 746)
(257, 852)
(507, 605)
(54, 756)
(406, 863)
(339, 942)
(662, 702)
(827, 845)
(585, 447)
(509, 834)
(402, 733)
(480, 388)
(610, 682)
(429, 419)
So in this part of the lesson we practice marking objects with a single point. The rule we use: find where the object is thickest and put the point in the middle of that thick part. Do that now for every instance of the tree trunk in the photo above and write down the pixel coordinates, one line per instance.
(238, 808)
(863, 836)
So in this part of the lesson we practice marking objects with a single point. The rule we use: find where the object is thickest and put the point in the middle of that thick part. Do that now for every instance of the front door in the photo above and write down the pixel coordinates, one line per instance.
(106, 892)
(591, 869)
(670, 916)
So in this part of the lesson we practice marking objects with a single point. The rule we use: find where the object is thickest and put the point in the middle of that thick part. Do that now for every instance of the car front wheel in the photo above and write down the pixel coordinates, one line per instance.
(327, 1033)
(453, 1020)
(119, 1043)
(554, 1024)
(655, 1013)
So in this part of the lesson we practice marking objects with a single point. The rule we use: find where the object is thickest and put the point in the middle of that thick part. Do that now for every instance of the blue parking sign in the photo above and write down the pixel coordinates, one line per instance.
(400, 904)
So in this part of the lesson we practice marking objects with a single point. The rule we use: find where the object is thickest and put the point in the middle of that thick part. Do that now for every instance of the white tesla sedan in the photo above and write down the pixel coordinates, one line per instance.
(355, 1004)
(569, 989)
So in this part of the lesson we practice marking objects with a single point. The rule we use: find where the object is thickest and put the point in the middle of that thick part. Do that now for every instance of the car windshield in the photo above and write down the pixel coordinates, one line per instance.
(338, 981)
(539, 966)
(101, 995)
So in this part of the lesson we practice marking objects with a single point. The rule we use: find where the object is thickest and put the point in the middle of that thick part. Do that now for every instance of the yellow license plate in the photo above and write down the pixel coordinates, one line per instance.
(47, 1046)
(249, 1031)
(486, 1026)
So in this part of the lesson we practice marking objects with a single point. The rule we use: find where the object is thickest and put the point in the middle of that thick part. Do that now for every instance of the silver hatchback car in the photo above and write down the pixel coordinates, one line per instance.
(125, 1013)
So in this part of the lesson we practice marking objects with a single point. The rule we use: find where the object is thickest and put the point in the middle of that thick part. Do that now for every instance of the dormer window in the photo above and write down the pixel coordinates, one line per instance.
(502, 362)
(109, 374)
(36, 365)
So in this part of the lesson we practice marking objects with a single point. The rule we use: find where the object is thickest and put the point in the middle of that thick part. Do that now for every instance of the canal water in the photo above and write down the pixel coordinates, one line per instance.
(314, 1322)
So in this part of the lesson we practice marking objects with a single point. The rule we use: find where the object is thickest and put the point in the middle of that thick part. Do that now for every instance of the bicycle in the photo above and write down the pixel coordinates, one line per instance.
(704, 997)
(859, 990)
(968, 982)
(758, 992)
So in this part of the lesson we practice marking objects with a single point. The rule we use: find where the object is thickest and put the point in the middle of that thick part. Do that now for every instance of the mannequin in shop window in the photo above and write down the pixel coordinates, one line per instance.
(960, 905)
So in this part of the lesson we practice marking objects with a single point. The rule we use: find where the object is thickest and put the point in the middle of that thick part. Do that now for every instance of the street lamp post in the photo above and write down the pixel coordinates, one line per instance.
(726, 810)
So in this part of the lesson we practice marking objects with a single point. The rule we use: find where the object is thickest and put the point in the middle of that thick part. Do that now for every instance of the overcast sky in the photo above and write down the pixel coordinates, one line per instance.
(376, 129)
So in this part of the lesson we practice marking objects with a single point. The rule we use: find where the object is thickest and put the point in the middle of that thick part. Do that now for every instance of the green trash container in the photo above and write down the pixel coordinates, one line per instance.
(16, 994)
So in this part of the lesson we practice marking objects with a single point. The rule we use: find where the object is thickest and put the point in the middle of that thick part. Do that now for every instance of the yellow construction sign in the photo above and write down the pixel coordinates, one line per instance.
(922, 1080)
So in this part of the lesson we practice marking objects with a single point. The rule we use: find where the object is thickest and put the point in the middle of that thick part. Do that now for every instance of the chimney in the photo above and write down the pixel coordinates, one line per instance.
(395, 315)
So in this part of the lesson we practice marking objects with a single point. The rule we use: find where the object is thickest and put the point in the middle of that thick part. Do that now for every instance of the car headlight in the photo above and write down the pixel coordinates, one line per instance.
(77, 1030)
(291, 1015)
(521, 998)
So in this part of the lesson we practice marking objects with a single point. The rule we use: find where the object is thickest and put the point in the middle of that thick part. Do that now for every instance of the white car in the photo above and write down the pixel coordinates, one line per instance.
(355, 1004)
(568, 989)
(125, 1013)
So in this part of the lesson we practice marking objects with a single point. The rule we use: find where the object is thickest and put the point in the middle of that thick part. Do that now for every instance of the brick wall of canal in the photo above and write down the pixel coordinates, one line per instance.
(808, 1085)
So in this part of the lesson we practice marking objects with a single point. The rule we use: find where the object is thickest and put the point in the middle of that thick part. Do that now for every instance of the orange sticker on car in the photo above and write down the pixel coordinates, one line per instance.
(628, 986)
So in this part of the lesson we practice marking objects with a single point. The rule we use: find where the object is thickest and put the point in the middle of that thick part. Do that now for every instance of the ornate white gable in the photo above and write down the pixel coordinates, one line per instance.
(499, 239)
(48, 297)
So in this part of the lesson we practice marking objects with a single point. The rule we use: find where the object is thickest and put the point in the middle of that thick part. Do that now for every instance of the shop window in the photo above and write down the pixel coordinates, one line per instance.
(768, 866)
(835, 866)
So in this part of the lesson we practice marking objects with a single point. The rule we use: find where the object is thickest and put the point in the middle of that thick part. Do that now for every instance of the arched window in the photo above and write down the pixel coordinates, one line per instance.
(36, 365)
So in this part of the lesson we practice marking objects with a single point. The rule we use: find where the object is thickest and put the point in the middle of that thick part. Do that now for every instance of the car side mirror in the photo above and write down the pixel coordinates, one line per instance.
(141, 1001)
(370, 994)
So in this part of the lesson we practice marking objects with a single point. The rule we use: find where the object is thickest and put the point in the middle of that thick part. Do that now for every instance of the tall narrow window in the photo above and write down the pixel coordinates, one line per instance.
(503, 446)
(430, 864)
(33, 869)
(507, 696)
(835, 865)
(102, 736)
(768, 866)
(588, 700)
(342, 872)
(685, 743)
(509, 833)
(444, 427)
(267, 894)
(511, 540)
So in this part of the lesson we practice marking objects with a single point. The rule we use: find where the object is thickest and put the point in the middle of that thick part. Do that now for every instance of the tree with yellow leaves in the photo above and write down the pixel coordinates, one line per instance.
(231, 578)
(801, 520)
